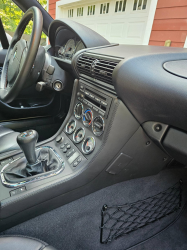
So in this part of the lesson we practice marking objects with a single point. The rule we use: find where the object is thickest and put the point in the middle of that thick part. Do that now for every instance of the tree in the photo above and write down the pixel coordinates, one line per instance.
(11, 15)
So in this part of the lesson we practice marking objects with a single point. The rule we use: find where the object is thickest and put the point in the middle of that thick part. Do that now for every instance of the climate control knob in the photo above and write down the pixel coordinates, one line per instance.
(98, 126)
(78, 110)
(88, 145)
(87, 117)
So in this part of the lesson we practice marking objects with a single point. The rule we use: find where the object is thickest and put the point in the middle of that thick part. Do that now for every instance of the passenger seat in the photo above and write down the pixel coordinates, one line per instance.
(23, 243)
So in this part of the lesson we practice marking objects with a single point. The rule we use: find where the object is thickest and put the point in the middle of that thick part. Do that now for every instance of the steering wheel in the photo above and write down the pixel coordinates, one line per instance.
(20, 56)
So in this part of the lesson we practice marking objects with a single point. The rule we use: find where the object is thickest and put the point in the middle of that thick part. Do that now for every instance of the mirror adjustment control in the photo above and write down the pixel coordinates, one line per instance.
(59, 139)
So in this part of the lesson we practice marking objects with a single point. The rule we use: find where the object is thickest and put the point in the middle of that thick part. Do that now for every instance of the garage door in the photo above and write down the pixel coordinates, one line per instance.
(121, 22)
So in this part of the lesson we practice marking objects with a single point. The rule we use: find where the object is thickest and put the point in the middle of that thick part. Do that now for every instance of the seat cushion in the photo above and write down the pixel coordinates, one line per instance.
(8, 140)
(22, 243)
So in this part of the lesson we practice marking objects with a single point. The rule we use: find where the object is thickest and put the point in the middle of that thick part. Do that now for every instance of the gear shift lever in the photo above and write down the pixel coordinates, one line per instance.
(27, 142)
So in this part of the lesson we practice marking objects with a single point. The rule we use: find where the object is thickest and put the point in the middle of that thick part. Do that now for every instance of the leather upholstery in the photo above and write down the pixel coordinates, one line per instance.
(20, 170)
(8, 140)
(23, 243)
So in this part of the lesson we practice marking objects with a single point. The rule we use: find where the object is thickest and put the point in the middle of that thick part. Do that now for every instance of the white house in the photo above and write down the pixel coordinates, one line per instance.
(125, 22)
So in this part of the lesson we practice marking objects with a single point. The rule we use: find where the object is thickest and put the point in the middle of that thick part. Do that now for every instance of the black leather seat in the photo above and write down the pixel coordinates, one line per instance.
(8, 140)
(22, 243)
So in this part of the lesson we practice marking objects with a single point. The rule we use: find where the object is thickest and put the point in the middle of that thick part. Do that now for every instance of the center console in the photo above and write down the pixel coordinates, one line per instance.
(78, 142)
(86, 125)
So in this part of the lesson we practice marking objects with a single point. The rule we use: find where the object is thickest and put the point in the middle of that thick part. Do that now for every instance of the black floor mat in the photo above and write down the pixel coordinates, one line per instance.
(76, 226)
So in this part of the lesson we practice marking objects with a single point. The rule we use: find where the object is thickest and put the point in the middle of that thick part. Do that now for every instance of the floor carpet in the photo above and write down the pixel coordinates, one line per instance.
(77, 225)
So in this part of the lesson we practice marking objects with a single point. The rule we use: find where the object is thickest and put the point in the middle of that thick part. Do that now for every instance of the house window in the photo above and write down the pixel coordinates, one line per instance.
(91, 10)
(120, 6)
(80, 11)
(70, 13)
(104, 9)
(140, 4)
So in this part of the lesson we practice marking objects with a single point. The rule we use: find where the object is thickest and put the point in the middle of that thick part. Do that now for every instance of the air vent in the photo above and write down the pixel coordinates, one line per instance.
(84, 65)
(99, 69)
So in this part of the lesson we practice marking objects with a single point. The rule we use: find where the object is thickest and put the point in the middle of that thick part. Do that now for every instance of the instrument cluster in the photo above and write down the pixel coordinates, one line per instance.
(67, 51)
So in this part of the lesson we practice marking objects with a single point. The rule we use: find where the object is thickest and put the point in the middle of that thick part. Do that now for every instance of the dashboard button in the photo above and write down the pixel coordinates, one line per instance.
(62, 146)
(104, 103)
(87, 93)
(75, 163)
(101, 113)
(68, 146)
(97, 99)
(79, 159)
(92, 96)
(85, 102)
(70, 153)
(58, 138)
(65, 150)
(96, 109)
(90, 105)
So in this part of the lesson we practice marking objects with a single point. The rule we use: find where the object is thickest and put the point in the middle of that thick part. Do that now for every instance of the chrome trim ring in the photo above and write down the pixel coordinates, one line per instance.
(87, 153)
(77, 116)
(36, 177)
(98, 133)
(76, 132)
(68, 125)
(87, 125)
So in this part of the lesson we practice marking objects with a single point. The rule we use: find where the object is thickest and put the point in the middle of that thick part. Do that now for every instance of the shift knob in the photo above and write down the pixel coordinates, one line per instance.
(27, 142)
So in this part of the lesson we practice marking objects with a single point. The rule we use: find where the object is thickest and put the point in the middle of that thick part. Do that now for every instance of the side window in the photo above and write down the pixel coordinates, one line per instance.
(11, 15)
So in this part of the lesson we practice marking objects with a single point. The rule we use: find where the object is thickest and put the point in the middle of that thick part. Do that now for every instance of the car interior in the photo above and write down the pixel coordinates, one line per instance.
(93, 140)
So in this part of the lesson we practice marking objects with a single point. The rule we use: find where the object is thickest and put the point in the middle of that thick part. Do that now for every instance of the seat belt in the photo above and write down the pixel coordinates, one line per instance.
(3, 37)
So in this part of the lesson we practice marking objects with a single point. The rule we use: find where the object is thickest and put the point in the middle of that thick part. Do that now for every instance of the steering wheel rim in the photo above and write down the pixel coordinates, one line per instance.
(9, 92)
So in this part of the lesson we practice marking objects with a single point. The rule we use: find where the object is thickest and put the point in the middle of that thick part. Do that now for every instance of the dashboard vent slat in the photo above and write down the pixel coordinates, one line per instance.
(99, 69)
